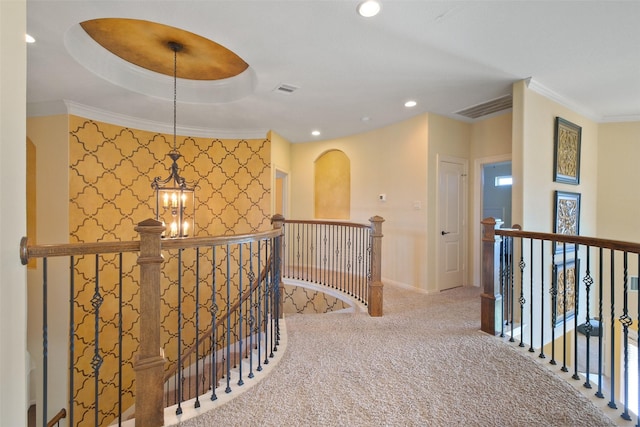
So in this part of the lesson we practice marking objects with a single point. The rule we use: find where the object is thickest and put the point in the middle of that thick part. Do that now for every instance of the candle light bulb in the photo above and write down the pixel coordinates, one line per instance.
(185, 229)
(184, 200)
(174, 200)
(174, 229)
(165, 200)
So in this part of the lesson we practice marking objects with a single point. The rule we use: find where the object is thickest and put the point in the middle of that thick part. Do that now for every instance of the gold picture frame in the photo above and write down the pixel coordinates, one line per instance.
(566, 154)
(566, 218)
(564, 303)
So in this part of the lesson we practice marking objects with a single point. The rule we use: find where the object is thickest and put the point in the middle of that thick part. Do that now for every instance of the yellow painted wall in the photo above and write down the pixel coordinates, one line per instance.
(50, 136)
(618, 200)
(94, 184)
(110, 173)
(447, 137)
(490, 138)
(390, 161)
(332, 186)
(280, 162)
(534, 118)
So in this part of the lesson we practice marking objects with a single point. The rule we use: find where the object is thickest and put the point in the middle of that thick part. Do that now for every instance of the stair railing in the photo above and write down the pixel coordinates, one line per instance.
(571, 299)
(176, 290)
(341, 255)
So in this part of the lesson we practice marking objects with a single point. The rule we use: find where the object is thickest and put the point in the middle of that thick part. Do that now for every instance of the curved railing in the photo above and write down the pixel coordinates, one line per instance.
(127, 330)
(340, 255)
(571, 299)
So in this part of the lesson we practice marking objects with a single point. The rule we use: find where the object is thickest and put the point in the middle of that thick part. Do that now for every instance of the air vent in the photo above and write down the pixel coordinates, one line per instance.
(286, 89)
(486, 108)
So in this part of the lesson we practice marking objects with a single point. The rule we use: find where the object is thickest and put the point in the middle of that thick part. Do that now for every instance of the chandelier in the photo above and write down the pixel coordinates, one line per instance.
(174, 196)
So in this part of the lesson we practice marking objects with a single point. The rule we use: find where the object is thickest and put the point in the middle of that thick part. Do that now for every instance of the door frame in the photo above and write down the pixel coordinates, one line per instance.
(284, 175)
(477, 209)
(465, 191)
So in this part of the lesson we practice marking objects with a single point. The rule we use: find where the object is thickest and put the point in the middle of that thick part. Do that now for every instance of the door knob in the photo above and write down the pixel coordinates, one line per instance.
(444, 232)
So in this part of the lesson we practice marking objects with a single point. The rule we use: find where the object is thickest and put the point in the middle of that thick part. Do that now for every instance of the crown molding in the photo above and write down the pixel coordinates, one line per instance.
(565, 102)
(93, 113)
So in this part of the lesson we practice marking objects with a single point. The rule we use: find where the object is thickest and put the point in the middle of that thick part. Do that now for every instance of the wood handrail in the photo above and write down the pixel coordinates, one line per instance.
(326, 222)
(565, 238)
(28, 251)
(233, 308)
(57, 417)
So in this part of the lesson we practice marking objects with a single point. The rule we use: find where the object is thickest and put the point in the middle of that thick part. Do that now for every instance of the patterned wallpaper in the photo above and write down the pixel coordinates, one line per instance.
(111, 170)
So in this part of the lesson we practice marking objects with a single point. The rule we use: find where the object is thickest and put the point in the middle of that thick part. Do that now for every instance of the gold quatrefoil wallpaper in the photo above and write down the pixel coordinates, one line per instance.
(110, 173)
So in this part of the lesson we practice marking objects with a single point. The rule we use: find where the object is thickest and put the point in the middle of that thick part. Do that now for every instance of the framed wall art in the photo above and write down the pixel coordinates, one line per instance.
(564, 292)
(566, 154)
(566, 218)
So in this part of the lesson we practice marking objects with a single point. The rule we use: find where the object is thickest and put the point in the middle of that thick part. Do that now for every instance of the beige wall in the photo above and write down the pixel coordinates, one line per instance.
(280, 163)
(13, 202)
(50, 137)
(447, 137)
(619, 174)
(390, 161)
(490, 142)
(534, 118)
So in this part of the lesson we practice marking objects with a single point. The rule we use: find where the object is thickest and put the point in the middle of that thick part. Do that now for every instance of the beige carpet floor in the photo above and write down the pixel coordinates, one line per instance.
(425, 363)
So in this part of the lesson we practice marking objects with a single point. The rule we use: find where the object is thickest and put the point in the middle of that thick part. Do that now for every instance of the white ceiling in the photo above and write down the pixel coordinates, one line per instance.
(446, 55)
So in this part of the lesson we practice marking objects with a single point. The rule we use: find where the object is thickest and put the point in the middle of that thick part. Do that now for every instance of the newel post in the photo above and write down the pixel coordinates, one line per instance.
(149, 363)
(375, 283)
(490, 271)
(277, 221)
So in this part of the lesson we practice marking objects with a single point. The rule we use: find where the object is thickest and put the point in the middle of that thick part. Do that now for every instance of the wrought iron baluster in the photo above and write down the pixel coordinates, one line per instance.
(512, 288)
(252, 319)
(564, 308)
(542, 264)
(119, 338)
(626, 321)
(240, 318)
(600, 317)
(72, 329)
(179, 355)
(576, 313)
(214, 317)
(267, 296)
(259, 293)
(588, 282)
(531, 350)
(197, 358)
(612, 400)
(96, 362)
(521, 299)
(502, 271)
(228, 340)
(45, 341)
(554, 310)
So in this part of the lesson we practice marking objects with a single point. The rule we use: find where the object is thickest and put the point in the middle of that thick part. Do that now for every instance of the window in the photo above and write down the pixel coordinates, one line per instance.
(503, 181)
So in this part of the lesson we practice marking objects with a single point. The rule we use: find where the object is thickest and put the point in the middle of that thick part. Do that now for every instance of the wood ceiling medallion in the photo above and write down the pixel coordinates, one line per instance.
(146, 44)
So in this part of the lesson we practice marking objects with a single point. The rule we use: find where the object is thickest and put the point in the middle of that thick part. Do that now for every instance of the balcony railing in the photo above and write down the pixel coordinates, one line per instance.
(181, 319)
(340, 255)
(573, 300)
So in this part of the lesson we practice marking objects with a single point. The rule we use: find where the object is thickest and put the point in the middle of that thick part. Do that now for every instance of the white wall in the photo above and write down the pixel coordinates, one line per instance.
(13, 223)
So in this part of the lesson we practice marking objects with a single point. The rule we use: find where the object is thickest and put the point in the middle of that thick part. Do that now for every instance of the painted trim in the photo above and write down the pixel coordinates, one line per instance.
(477, 209)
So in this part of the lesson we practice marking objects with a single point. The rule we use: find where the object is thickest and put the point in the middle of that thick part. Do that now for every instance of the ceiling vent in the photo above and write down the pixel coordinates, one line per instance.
(286, 89)
(486, 108)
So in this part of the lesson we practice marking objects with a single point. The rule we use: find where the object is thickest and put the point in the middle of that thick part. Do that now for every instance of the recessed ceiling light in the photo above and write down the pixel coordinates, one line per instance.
(29, 38)
(368, 8)
(410, 104)
(315, 133)
(365, 119)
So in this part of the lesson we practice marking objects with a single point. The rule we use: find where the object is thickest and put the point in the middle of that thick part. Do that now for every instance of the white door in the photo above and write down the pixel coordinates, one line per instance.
(451, 223)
